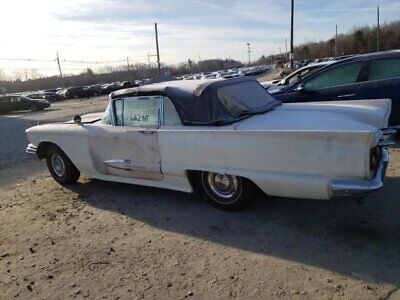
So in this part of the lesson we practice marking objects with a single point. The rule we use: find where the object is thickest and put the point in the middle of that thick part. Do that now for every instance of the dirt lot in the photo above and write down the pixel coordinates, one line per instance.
(99, 240)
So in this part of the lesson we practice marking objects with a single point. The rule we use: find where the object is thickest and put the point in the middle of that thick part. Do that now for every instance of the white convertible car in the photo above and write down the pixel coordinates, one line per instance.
(226, 137)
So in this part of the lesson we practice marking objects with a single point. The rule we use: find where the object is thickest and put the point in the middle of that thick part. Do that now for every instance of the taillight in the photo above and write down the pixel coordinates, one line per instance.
(374, 158)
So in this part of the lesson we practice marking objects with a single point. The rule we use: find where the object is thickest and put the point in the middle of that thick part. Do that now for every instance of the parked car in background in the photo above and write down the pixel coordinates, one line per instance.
(294, 77)
(17, 102)
(52, 90)
(51, 97)
(229, 74)
(128, 84)
(94, 90)
(367, 76)
(238, 139)
(76, 92)
(109, 87)
(212, 75)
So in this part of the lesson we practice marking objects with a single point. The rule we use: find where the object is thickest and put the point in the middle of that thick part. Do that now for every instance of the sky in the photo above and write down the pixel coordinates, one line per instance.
(111, 30)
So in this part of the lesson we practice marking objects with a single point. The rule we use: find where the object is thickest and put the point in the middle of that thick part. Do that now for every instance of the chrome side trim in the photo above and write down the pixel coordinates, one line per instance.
(128, 165)
(31, 149)
(388, 138)
(388, 131)
(386, 143)
(347, 188)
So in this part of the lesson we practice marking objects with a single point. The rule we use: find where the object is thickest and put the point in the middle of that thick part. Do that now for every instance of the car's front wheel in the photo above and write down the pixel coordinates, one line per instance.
(60, 166)
(227, 192)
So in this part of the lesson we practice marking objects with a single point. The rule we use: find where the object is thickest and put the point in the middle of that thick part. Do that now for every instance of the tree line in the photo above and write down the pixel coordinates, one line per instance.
(358, 41)
(120, 73)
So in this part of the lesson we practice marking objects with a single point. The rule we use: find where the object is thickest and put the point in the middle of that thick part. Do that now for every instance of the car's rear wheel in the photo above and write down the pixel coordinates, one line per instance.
(60, 166)
(227, 192)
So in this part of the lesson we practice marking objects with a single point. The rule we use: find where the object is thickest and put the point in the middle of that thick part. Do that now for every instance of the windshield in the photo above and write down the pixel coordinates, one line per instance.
(298, 75)
(107, 119)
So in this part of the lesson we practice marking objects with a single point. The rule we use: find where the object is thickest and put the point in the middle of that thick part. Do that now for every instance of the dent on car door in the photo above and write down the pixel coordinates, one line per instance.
(337, 83)
(129, 147)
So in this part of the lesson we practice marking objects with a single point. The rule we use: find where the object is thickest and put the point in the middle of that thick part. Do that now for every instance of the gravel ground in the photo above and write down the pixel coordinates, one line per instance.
(101, 240)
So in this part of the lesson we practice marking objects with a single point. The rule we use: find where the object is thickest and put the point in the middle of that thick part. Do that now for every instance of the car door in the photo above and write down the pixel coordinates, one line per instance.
(17, 103)
(5, 104)
(128, 146)
(340, 82)
(383, 81)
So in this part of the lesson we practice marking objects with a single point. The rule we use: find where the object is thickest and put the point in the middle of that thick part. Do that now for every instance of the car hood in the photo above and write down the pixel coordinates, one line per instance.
(358, 115)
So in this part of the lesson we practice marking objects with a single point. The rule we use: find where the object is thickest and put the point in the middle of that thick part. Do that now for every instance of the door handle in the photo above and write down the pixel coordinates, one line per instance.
(346, 96)
(121, 164)
(147, 132)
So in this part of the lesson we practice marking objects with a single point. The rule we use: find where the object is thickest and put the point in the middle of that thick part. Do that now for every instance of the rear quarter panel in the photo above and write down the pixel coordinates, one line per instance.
(282, 163)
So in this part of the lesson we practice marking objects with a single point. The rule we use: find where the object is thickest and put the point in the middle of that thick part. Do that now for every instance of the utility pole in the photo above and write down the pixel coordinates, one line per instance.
(59, 68)
(158, 51)
(291, 35)
(249, 52)
(336, 42)
(280, 52)
(286, 54)
(127, 63)
(377, 29)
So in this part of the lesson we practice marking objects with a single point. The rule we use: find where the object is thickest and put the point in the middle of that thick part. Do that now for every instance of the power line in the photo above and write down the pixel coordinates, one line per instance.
(27, 59)
(63, 60)
(93, 62)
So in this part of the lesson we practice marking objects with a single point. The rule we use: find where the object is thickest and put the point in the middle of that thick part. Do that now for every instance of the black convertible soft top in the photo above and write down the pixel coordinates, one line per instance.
(209, 102)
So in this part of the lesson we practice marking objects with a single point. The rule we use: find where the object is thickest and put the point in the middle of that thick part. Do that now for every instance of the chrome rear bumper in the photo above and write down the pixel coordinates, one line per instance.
(349, 188)
(31, 149)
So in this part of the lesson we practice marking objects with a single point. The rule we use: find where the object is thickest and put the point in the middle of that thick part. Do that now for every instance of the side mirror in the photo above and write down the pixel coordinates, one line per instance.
(77, 120)
(300, 88)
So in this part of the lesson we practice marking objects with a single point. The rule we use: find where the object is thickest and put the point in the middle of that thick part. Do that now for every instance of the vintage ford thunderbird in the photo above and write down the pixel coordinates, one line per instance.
(225, 137)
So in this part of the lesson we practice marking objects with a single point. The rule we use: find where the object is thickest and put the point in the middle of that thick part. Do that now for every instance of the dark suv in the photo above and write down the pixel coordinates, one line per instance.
(368, 76)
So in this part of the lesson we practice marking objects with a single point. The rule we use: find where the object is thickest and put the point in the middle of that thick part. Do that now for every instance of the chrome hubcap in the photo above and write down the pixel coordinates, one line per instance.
(58, 165)
(225, 186)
